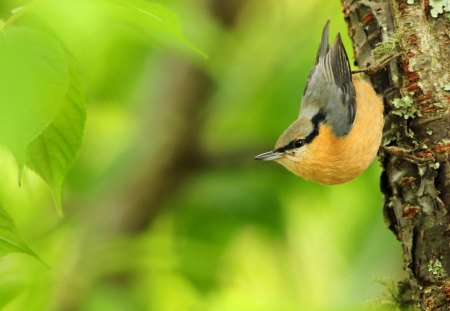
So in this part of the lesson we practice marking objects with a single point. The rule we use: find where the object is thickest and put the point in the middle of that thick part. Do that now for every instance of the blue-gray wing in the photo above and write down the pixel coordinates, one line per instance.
(329, 88)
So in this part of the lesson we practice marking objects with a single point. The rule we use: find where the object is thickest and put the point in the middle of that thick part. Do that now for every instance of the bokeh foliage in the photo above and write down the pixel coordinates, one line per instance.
(222, 232)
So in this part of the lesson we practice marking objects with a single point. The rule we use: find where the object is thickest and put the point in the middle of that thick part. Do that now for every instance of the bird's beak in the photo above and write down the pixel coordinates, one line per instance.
(269, 156)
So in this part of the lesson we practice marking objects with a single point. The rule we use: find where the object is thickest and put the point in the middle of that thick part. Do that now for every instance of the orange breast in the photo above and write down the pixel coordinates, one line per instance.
(334, 160)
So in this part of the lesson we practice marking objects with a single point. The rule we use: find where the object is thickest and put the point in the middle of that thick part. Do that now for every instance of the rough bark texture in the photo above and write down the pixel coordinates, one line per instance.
(416, 176)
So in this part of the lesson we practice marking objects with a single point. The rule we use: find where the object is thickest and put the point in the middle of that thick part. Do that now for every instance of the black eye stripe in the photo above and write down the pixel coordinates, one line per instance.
(292, 145)
(298, 143)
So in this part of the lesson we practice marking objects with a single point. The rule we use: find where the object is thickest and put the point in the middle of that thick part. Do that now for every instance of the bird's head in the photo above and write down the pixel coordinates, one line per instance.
(293, 145)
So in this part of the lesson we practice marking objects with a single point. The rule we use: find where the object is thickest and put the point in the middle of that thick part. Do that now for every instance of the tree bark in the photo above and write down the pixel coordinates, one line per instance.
(416, 176)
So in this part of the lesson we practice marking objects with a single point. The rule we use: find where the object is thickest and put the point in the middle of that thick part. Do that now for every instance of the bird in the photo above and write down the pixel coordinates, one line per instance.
(339, 129)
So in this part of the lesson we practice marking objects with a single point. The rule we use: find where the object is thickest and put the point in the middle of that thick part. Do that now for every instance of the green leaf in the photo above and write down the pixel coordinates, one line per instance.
(33, 81)
(9, 240)
(149, 19)
(153, 18)
(52, 154)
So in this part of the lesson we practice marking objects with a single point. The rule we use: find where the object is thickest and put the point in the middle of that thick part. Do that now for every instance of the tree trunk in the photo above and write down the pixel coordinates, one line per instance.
(416, 176)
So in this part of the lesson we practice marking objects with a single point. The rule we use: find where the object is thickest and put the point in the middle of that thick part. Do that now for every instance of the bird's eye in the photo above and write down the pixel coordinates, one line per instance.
(298, 143)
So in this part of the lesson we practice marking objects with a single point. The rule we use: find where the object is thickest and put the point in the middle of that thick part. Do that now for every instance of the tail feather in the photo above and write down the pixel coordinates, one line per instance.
(324, 46)
(330, 86)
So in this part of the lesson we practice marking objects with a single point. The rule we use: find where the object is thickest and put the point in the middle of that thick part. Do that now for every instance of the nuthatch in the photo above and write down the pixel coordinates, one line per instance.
(338, 132)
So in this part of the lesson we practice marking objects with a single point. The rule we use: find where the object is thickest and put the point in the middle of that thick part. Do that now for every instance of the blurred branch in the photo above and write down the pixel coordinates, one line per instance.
(176, 154)
(179, 126)
(176, 143)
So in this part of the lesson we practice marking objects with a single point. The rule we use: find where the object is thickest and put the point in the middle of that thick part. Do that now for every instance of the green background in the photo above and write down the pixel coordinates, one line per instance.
(224, 232)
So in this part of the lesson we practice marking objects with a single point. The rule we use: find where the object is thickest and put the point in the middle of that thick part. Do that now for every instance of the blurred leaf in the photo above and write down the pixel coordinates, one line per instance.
(155, 17)
(111, 298)
(9, 290)
(9, 240)
(148, 19)
(215, 208)
(33, 82)
(159, 20)
(52, 154)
